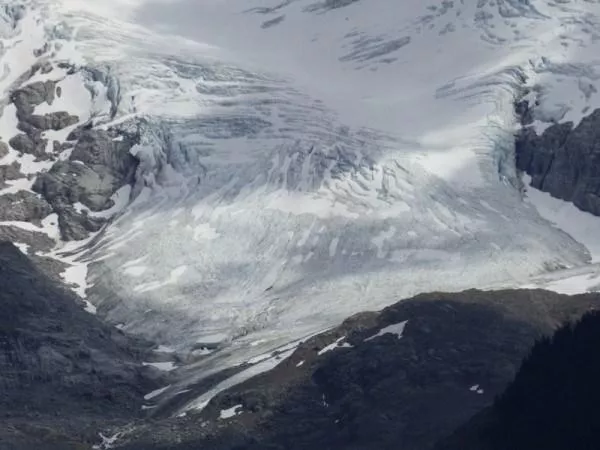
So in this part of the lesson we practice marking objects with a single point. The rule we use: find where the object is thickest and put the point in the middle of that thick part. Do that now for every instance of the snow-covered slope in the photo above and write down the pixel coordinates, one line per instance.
(302, 161)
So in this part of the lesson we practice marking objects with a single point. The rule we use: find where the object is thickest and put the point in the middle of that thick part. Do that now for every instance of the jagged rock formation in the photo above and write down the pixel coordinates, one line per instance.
(99, 164)
(59, 364)
(564, 160)
(23, 206)
(360, 387)
(551, 403)
(10, 172)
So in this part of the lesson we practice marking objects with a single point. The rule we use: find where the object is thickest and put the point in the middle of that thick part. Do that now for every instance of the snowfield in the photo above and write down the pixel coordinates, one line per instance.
(301, 161)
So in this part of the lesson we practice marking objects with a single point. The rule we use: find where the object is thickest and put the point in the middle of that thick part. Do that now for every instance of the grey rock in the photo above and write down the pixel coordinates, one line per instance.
(97, 148)
(68, 182)
(46, 68)
(52, 121)
(32, 144)
(77, 226)
(28, 97)
(23, 206)
(36, 241)
(10, 172)
(3, 149)
(564, 161)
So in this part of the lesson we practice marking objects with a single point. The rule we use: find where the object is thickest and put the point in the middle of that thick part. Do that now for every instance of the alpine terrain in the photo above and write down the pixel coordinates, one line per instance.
(291, 224)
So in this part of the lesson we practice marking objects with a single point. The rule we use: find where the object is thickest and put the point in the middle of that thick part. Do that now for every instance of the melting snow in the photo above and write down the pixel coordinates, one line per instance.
(231, 412)
(396, 329)
(334, 345)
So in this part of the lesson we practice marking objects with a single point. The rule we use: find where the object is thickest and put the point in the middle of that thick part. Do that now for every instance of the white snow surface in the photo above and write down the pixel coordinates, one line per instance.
(303, 160)
(396, 329)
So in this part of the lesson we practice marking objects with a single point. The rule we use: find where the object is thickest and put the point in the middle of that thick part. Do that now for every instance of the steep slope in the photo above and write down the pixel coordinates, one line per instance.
(63, 373)
(228, 193)
(550, 402)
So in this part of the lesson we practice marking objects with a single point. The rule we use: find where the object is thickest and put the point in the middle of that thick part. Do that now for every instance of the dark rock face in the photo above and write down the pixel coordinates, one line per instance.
(10, 172)
(23, 206)
(552, 402)
(53, 121)
(564, 161)
(32, 95)
(3, 149)
(76, 226)
(457, 352)
(57, 362)
(32, 144)
(68, 182)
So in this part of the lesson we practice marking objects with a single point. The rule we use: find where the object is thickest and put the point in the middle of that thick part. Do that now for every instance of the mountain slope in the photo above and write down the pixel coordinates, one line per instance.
(404, 377)
(549, 403)
(64, 375)
(227, 194)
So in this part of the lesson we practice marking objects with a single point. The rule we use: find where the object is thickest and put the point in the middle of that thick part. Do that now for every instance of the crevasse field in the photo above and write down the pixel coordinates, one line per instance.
(303, 161)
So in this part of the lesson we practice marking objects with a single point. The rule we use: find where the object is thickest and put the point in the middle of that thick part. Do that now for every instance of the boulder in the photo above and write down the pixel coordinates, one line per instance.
(75, 226)
(10, 172)
(69, 182)
(3, 149)
(32, 144)
(23, 206)
(28, 97)
(52, 121)
(564, 161)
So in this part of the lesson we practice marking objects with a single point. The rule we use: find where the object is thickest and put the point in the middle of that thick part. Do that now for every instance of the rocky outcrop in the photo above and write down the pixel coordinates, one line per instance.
(23, 206)
(402, 378)
(551, 403)
(32, 144)
(69, 182)
(53, 121)
(10, 172)
(77, 226)
(564, 160)
(3, 149)
(98, 166)
(32, 95)
(60, 365)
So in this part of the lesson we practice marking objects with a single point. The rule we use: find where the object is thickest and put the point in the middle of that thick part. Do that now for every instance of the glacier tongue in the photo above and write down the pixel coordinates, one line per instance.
(305, 161)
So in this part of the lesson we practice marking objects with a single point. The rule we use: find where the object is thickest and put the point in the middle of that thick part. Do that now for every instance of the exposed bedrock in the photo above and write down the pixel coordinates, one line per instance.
(564, 160)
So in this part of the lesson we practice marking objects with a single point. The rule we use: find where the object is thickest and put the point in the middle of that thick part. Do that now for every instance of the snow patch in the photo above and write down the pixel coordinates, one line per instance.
(396, 329)
(230, 412)
(580, 225)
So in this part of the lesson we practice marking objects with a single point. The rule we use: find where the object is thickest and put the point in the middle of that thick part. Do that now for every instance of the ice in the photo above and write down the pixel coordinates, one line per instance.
(230, 412)
(396, 329)
(580, 225)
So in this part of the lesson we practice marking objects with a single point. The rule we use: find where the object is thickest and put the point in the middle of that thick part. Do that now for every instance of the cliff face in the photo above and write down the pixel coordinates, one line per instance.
(564, 160)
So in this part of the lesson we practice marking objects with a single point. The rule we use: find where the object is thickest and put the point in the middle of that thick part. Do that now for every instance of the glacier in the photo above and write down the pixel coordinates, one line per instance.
(302, 161)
